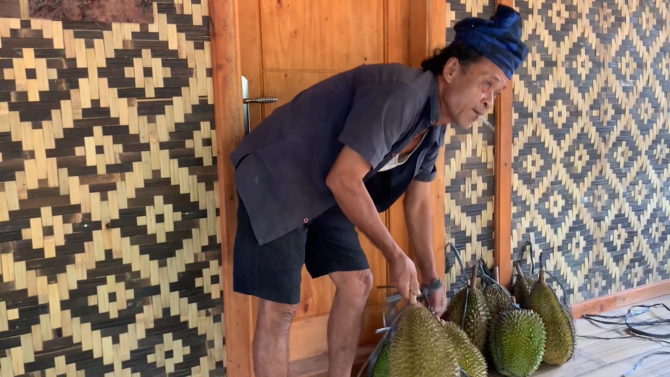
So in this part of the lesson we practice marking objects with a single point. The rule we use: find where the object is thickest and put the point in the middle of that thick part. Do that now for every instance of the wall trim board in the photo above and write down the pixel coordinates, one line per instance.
(229, 126)
(621, 299)
(502, 208)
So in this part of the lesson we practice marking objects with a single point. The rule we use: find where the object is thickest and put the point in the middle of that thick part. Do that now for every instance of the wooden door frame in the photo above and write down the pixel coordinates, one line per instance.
(502, 175)
(427, 32)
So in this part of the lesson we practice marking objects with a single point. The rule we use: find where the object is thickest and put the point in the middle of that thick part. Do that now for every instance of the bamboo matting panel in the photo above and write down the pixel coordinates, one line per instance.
(109, 242)
(468, 175)
(591, 165)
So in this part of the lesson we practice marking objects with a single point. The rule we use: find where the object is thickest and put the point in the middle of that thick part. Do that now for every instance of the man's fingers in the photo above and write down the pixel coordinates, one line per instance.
(412, 299)
(414, 286)
(403, 287)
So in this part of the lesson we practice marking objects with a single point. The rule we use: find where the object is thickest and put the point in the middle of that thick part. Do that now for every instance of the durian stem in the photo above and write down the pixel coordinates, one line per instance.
(518, 270)
(495, 274)
(541, 278)
(473, 278)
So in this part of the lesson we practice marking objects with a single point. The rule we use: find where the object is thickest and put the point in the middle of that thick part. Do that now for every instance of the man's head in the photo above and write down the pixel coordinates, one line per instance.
(478, 65)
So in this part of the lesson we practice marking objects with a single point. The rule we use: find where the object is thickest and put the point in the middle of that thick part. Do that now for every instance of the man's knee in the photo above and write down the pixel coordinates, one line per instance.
(275, 316)
(354, 283)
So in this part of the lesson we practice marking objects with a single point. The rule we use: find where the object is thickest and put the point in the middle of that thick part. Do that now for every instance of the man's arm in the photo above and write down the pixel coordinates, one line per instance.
(378, 117)
(419, 219)
(345, 181)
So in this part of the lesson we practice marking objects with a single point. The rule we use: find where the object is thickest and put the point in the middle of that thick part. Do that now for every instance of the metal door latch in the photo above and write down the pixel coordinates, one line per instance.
(246, 101)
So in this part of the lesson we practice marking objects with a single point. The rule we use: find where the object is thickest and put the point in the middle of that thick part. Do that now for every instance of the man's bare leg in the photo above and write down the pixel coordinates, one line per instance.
(346, 319)
(270, 349)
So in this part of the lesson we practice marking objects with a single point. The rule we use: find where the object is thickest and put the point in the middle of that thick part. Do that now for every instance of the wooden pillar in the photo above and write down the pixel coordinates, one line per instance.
(502, 212)
(229, 125)
(428, 28)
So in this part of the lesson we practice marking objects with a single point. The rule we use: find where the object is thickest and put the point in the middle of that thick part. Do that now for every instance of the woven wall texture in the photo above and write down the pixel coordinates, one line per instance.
(468, 175)
(591, 163)
(109, 256)
(591, 153)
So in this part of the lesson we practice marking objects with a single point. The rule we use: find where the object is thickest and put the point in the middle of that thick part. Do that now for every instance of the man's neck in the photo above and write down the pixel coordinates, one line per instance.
(445, 118)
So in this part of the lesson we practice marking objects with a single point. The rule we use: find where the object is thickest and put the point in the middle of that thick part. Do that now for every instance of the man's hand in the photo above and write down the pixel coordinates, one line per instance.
(403, 277)
(437, 299)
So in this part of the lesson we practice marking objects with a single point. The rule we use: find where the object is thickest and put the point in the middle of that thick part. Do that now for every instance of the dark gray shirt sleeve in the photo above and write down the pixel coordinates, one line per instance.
(379, 115)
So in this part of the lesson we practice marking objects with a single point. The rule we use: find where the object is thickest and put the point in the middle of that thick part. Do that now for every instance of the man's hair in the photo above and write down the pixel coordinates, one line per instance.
(465, 54)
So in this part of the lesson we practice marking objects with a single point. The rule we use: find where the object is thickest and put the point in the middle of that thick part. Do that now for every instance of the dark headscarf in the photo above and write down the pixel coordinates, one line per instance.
(498, 39)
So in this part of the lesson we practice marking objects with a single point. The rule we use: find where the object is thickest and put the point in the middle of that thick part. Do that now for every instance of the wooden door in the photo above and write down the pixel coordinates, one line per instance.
(283, 47)
(289, 45)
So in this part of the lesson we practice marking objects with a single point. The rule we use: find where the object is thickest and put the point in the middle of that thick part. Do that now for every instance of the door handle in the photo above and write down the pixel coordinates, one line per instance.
(246, 101)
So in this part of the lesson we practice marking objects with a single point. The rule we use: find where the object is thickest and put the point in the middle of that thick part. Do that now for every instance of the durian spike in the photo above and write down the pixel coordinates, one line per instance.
(495, 274)
(518, 270)
(473, 278)
(541, 278)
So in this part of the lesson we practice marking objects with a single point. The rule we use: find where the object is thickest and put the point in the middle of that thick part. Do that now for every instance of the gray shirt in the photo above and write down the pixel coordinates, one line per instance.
(281, 166)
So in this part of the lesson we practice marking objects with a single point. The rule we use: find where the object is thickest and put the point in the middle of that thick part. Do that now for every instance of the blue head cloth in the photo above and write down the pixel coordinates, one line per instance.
(498, 39)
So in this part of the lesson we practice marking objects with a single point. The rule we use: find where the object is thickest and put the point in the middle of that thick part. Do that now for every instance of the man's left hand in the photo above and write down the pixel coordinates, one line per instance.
(437, 299)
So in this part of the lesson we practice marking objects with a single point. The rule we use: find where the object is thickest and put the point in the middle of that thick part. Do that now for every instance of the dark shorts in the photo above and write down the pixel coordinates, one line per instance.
(327, 244)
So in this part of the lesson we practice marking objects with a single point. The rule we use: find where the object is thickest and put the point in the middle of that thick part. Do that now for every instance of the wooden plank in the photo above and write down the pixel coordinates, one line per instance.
(502, 209)
(621, 299)
(308, 337)
(427, 32)
(229, 128)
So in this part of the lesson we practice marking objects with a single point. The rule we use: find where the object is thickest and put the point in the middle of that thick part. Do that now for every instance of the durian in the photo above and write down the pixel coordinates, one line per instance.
(420, 347)
(497, 297)
(558, 323)
(470, 359)
(517, 341)
(473, 319)
(522, 286)
(381, 368)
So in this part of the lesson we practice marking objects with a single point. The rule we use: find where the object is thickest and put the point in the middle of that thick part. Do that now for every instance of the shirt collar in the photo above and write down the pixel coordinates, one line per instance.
(434, 99)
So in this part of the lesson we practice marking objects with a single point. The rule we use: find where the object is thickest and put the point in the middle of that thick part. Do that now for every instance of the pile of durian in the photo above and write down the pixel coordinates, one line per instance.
(482, 329)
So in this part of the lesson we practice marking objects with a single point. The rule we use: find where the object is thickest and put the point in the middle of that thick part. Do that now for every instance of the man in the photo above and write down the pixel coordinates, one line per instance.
(334, 157)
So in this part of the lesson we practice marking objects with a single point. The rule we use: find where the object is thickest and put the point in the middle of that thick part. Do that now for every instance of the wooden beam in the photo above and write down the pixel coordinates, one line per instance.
(502, 210)
(621, 299)
(428, 26)
(229, 128)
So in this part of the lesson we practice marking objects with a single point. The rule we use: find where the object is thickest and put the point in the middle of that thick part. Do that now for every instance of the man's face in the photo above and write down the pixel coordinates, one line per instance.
(470, 91)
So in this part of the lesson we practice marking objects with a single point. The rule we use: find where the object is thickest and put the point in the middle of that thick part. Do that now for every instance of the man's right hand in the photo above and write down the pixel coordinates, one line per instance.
(404, 277)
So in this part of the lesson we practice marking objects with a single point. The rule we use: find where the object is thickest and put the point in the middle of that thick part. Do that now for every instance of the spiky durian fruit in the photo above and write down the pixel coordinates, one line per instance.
(472, 318)
(558, 323)
(470, 359)
(517, 341)
(420, 347)
(381, 368)
(497, 297)
(522, 286)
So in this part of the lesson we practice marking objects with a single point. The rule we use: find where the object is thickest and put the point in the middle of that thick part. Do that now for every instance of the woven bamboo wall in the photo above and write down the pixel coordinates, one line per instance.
(109, 249)
(468, 177)
(591, 165)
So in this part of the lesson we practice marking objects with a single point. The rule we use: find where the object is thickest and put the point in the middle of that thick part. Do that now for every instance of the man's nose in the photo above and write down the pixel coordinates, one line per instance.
(489, 100)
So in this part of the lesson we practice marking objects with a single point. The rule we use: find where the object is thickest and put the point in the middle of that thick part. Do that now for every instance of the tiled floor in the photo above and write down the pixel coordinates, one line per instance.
(593, 357)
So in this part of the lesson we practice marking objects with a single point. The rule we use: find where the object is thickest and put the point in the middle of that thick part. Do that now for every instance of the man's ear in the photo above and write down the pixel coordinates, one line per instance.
(450, 69)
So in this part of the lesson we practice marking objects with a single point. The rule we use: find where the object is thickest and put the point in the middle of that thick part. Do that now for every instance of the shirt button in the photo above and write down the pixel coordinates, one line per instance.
(305, 220)
(433, 121)
(416, 135)
(395, 154)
